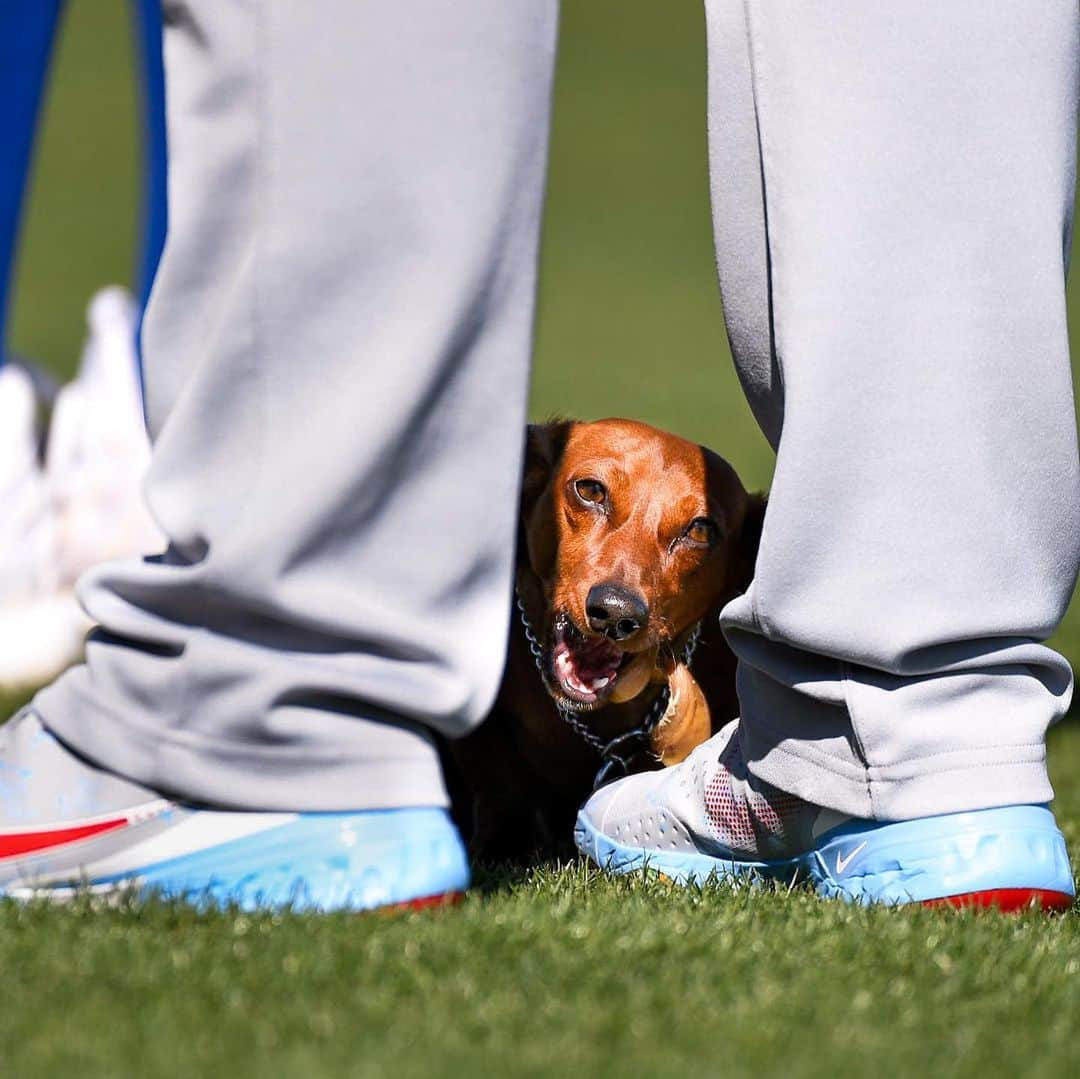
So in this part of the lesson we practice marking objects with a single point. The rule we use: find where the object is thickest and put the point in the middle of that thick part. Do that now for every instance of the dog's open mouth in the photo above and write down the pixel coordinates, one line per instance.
(585, 669)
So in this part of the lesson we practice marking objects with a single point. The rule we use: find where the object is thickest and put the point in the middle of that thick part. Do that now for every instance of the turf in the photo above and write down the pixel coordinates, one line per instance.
(557, 972)
(552, 972)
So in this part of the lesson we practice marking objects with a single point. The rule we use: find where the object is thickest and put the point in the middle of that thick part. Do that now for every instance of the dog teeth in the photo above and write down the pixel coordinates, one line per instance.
(600, 683)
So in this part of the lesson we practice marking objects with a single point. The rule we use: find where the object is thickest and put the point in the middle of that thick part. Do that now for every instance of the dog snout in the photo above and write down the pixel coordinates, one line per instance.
(615, 611)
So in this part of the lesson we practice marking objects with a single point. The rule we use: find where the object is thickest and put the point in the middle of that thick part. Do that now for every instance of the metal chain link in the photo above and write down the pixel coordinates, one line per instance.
(611, 759)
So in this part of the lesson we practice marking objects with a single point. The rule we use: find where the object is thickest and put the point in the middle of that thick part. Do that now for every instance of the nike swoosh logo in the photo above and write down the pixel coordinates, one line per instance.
(842, 863)
(23, 842)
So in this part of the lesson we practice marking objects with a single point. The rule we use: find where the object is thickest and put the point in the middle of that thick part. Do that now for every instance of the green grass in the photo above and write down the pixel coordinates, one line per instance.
(560, 971)
(556, 972)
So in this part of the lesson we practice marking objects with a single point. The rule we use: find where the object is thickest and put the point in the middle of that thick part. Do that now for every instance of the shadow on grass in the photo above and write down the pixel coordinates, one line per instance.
(501, 878)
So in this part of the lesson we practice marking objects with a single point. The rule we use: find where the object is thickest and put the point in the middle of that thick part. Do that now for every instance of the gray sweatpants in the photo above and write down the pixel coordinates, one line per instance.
(337, 355)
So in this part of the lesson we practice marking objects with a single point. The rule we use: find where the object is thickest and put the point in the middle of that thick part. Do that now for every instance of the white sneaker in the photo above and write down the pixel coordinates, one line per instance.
(67, 828)
(98, 450)
(83, 507)
(709, 817)
(29, 651)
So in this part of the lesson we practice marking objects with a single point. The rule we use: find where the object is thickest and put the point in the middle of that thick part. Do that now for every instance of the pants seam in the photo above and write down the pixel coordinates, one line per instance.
(856, 738)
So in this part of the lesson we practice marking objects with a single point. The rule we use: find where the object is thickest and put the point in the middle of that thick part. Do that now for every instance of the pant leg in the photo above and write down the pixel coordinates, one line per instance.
(892, 235)
(27, 32)
(146, 15)
(337, 355)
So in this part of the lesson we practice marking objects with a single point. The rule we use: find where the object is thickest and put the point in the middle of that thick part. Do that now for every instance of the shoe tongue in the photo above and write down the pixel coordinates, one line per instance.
(108, 355)
(18, 421)
(108, 369)
(827, 820)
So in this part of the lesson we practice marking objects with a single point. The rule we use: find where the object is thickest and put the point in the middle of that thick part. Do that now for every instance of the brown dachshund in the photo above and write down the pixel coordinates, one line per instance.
(631, 541)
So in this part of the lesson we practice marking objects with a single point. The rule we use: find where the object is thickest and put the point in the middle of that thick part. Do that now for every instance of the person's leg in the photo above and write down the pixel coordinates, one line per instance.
(337, 353)
(146, 15)
(923, 532)
(27, 35)
(81, 504)
(893, 189)
(98, 449)
(27, 31)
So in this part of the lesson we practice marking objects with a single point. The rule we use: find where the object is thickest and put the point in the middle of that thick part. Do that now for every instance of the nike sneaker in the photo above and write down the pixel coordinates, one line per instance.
(82, 506)
(710, 818)
(69, 828)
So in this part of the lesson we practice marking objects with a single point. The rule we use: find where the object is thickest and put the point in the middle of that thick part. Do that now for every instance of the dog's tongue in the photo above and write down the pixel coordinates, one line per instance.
(589, 667)
(596, 658)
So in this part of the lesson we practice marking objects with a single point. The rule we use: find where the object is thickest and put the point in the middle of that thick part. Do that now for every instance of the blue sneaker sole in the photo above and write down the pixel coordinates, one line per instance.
(319, 861)
(1008, 857)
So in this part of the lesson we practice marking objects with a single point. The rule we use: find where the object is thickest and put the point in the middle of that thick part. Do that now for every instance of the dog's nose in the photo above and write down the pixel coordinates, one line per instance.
(615, 611)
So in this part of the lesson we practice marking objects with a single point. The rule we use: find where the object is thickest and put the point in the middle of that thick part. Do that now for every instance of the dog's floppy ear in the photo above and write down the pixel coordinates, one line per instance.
(749, 538)
(750, 534)
(544, 445)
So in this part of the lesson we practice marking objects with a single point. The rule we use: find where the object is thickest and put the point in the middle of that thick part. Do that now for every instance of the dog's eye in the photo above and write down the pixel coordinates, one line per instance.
(591, 491)
(702, 532)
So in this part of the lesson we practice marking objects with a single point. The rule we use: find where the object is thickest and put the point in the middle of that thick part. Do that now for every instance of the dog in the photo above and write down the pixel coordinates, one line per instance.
(630, 542)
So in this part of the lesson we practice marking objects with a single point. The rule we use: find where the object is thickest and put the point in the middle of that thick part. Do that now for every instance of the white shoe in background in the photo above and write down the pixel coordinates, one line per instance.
(82, 507)
(31, 649)
(98, 451)
(26, 537)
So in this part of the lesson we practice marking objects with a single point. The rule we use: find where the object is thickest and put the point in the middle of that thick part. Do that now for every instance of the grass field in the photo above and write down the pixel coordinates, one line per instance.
(558, 971)
(553, 972)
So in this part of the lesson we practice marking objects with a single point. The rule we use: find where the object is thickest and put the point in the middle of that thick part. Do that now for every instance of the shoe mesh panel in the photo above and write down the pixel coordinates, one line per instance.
(757, 820)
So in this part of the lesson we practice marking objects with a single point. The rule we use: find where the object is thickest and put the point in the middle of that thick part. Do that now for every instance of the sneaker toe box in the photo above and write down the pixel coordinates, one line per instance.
(629, 813)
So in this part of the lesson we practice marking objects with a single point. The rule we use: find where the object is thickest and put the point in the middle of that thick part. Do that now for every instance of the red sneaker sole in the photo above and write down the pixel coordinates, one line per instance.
(444, 899)
(1008, 900)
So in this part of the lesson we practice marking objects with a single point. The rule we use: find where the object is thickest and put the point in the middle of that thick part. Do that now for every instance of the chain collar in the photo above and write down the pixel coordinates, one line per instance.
(615, 754)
